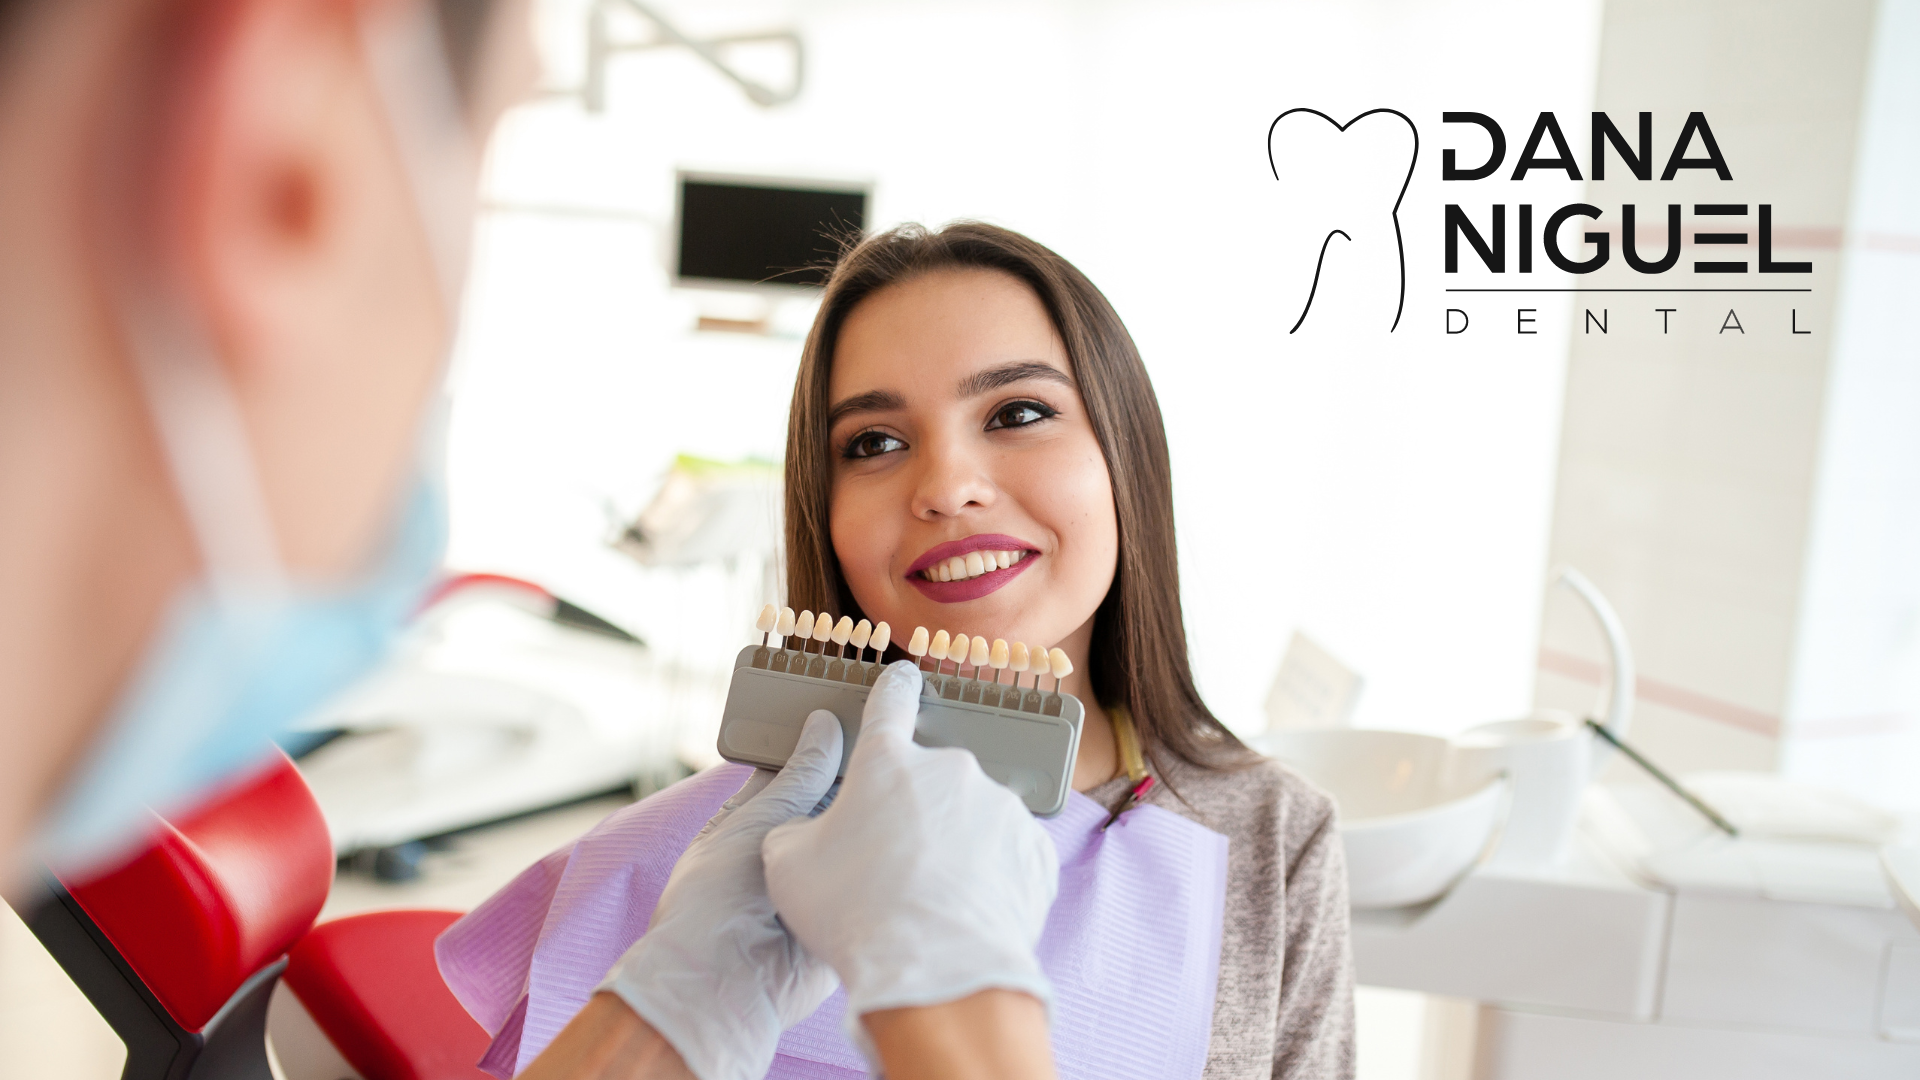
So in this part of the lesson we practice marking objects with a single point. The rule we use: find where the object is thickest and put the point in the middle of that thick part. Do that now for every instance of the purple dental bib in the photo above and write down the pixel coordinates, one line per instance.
(1132, 944)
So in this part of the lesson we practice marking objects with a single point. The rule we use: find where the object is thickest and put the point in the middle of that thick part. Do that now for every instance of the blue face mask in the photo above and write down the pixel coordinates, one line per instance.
(227, 673)
(246, 651)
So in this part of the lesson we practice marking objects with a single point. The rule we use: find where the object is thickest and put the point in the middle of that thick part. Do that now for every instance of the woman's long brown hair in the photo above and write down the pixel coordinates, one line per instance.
(1139, 654)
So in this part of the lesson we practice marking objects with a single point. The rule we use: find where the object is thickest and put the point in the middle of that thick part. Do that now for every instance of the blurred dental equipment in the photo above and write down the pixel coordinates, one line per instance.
(1615, 929)
(1412, 822)
(1902, 865)
(712, 530)
(1312, 689)
(1417, 812)
(707, 511)
(602, 48)
(499, 699)
(1664, 780)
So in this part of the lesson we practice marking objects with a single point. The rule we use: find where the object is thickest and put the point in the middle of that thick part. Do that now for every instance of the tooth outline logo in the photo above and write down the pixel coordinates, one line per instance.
(1398, 239)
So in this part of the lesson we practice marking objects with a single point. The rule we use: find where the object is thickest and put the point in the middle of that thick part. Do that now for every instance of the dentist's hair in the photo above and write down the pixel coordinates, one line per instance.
(1139, 653)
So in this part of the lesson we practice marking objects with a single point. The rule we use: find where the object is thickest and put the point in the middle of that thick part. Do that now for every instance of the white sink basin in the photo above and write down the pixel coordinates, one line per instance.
(1412, 822)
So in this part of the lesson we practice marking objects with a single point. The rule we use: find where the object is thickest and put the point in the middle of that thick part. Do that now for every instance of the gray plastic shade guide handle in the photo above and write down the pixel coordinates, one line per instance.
(1024, 738)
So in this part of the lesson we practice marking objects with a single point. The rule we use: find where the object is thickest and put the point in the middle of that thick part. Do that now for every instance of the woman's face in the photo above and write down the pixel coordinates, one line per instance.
(958, 434)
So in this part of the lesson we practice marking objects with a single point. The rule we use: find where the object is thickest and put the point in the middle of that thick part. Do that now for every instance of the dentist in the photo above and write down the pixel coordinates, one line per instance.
(234, 233)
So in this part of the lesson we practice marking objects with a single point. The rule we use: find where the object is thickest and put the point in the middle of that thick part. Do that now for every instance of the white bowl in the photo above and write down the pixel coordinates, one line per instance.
(1411, 823)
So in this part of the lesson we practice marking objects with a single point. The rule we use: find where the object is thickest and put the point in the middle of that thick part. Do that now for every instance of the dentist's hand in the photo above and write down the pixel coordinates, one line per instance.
(925, 881)
(715, 974)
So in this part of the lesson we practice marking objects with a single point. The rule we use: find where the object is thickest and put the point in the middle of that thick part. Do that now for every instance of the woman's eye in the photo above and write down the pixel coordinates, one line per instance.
(1019, 414)
(872, 444)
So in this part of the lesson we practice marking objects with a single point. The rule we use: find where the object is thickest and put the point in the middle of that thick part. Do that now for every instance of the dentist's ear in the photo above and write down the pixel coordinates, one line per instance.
(293, 236)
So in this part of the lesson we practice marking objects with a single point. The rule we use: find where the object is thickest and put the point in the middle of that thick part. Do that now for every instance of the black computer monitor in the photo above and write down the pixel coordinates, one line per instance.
(735, 231)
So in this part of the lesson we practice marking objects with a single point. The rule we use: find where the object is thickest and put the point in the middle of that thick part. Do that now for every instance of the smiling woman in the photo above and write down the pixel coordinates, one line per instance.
(975, 447)
(969, 392)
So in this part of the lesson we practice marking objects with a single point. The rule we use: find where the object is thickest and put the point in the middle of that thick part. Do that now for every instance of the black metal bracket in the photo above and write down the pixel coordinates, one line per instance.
(233, 1046)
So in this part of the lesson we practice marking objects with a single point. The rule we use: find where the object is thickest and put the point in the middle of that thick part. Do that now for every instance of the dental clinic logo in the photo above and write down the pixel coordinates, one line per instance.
(1342, 232)
(1333, 204)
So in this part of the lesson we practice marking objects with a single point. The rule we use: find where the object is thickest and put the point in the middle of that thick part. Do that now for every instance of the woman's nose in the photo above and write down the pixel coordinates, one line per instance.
(951, 483)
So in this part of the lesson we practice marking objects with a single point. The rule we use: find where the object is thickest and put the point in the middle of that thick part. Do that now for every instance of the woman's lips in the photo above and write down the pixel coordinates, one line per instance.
(972, 564)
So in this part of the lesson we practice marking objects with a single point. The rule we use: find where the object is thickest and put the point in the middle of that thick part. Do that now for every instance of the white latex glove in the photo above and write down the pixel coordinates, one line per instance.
(715, 974)
(925, 881)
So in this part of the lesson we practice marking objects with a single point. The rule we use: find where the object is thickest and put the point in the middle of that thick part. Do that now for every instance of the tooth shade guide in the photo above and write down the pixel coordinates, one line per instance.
(1017, 659)
(974, 688)
(964, 651)
(999, 656)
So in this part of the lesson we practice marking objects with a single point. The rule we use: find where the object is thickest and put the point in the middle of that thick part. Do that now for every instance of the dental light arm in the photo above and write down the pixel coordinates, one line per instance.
(601, 48)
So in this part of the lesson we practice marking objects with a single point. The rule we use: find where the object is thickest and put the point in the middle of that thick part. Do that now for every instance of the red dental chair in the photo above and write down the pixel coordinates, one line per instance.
(181, 946)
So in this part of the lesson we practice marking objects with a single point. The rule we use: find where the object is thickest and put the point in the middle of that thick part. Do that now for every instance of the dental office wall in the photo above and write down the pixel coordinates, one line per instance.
(1750, 499)
(1387, 492)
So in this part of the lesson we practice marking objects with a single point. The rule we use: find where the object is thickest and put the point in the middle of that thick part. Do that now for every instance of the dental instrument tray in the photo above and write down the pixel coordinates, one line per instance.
(1023, 736)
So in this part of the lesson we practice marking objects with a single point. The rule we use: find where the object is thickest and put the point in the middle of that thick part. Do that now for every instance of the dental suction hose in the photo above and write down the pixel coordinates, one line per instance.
(1620, 695)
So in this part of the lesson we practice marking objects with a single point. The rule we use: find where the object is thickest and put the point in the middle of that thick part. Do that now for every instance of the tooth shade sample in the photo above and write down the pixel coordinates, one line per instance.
(938, 650)
(1016, 656)
(803, 626)
(861, 634)
(978, 652)
(883, 634)
(975, 564)
(916, 645)
(1057, 660)
(768, 616)
(822, 627)
(957, 649)
(999, 657)
(1039, 655)
(785, 626)
(843, 630)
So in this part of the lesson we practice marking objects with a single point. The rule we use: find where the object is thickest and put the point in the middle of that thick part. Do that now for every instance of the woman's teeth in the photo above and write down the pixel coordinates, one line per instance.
(972, 564)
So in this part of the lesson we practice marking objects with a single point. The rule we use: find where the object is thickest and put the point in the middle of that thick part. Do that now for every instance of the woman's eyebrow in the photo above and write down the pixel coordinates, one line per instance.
(984, 382)
(871, 401)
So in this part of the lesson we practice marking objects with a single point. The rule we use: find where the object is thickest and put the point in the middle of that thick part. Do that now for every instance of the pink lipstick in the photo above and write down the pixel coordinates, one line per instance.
(962, 570)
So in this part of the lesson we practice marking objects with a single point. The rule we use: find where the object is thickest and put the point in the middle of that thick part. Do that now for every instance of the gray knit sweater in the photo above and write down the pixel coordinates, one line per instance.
(1284, 1007)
